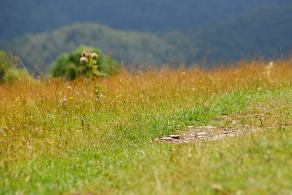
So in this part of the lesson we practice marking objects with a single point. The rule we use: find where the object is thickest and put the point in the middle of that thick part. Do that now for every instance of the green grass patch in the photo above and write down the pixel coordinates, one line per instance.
(123, 160)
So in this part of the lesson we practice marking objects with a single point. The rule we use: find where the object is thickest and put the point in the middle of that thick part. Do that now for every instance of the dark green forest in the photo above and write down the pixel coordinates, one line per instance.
(152, 32)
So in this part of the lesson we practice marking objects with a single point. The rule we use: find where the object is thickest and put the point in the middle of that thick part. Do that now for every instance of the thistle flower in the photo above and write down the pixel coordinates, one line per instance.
(83, 60)
(94, 56)
(85, 53)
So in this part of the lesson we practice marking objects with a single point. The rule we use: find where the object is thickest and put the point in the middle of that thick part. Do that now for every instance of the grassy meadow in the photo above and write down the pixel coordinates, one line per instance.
(95, 136)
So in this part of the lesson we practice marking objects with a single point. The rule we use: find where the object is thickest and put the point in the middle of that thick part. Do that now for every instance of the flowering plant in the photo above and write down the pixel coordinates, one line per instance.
(87, 62)
(92, 62)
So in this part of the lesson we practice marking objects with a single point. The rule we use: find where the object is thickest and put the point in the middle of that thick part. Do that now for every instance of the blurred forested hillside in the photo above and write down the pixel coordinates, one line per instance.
(132, 48)
(148, 31)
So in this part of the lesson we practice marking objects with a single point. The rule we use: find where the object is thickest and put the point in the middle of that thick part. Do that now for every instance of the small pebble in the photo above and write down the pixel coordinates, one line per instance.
(202, 134)
(175, 136)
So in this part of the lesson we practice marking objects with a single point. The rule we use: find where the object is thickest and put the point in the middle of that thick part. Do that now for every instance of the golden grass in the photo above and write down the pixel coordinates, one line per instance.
(50, 116)
(95, 135)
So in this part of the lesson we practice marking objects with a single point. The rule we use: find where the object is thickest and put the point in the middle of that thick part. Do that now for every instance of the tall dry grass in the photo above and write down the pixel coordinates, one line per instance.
(48, 117)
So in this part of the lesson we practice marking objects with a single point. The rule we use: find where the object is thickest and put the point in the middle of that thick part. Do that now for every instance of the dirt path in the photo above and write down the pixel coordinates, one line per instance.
(210, 133)
(226, 126)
